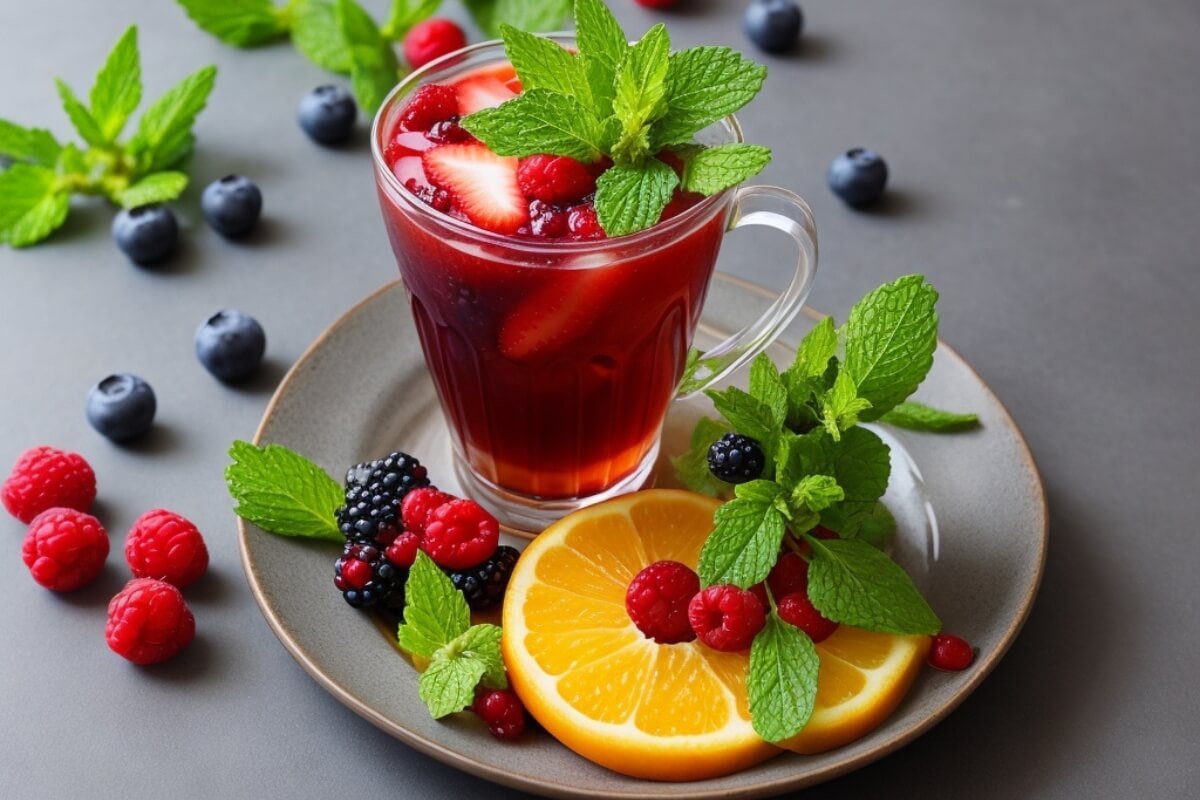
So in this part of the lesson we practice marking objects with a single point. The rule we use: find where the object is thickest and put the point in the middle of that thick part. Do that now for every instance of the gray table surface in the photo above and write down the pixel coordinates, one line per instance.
(1045, 171)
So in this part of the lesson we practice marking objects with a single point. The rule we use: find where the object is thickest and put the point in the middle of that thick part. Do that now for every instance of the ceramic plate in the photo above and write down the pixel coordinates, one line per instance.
(972, 531)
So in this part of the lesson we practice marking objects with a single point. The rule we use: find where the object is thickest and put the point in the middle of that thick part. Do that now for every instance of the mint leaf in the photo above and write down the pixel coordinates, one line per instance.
(31, 204)
(602, 46)
(373, 66)
(316, 34)
(748, 415)
(435, 613)
(862, 464)
(841, 406)
(767, 386)
(641, 81)
(283, 492)
(164, 134)
(481, 643)
(705, 84)
(716, 169)
(80, 117)
(629, 200)
(853, 583)
(745, 541)
(799, 456)
(817, 493)
(818, 346)
(407, 13)
(873, 524)
(157, 187)
(692, 466)
(37, 145)
(243, 23)
(890, 337)
(544, 64)
(540, 121)
(529, 15)
(448, 685)
(782, 684)
(118, 87)
(918, 417)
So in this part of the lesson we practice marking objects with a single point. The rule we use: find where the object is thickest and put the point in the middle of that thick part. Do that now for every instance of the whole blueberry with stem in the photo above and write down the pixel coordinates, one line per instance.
(121, 407)
(232, 205)
(773, 25)
(858, 177)
(327, 114)
(230, 345)
(145, 234)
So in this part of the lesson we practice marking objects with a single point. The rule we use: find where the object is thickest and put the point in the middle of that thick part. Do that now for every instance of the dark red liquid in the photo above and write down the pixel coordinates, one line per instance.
(555, 366)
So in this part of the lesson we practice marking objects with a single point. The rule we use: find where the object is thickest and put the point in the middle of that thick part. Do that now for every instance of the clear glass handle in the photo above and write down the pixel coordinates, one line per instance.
(785, 211)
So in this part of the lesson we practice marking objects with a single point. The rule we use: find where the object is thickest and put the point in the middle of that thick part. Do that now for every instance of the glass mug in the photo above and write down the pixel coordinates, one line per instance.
(555, 361)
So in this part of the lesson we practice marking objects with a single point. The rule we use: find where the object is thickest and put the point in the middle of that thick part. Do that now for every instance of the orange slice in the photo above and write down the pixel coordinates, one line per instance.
(588, 675)
(862, 678)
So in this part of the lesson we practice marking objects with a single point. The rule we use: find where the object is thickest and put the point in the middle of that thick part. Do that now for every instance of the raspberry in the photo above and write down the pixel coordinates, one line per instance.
(726, 618)
(46, 478)
(657, 601)
(148, 622)
(584, 224)
(367, 578)
(403, 551)
(502, 711)
(796, 609)
(419, 504)
(439, 199)
(483, 586)
(65, 548)
(950, 653)
(736, 459)
(449, 131)
(547, 221)
(788, 576)
(166, 546)
(461, 534)
(554, 179)
(430, 104)
(432, 39)
(373, 497)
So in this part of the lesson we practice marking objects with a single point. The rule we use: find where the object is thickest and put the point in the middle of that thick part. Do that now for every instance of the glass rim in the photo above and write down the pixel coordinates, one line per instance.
(691, 216)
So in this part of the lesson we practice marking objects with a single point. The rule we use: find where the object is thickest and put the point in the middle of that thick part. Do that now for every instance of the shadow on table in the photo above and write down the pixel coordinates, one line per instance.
(111, 580)
(194, 662)
(214, 588)
(161, 438)
(264, 380)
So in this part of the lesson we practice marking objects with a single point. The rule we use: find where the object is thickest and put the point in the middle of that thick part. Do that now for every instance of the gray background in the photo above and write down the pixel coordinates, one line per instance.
(1045, 168)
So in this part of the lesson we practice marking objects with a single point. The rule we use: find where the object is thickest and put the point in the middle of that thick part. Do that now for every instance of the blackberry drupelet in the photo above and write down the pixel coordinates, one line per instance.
(374, 492)
(735, 458)
(367, 579)
(483, 585)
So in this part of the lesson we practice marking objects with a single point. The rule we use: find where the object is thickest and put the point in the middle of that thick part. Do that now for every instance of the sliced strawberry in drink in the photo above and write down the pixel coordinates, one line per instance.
(483, 185)
(557, 312)
(476, 94)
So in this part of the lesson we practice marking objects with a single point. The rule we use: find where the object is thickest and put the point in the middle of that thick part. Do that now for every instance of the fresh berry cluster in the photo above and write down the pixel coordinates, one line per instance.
(65, 549)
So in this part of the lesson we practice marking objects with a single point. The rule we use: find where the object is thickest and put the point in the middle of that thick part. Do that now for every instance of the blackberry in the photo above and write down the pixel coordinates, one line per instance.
(483, 585)
(374, 492)
(736, 459)
(367, 579)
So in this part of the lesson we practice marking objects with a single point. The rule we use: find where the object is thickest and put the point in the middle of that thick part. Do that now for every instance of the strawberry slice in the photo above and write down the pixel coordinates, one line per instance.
(557, 313)
(483, 184)
(476, 94)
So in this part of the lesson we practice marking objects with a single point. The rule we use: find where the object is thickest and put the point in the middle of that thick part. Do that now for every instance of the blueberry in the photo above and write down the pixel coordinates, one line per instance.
(773, 25)
(146, 234)
(121, 407)
(230, 345)
(231, 205)
(858, 176)
(327, 114)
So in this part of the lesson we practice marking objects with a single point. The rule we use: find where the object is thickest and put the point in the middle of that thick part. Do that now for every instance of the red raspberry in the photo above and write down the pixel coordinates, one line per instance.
(419, 504)
(796, 609)
(430, 104)
(65, 548)
(148, 622)
(657, 601)
(547, 221)
(584, 224)
(166, 546)
(432, 39)
(449, 131)
(788, 576)
(554, 179)
(950, 653)
(726, 618)
(502, 711)
(461, 534)
(46, 478)
(403, 551)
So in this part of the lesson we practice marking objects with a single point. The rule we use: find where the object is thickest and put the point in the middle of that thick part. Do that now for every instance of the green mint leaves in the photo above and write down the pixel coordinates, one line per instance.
(283, 492)
(341, 36)
(629, 103)
(822, 469)
(437, 626)
(35, 192)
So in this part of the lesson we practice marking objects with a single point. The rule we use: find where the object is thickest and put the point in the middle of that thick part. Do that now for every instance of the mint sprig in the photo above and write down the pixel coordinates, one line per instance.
(629, 103)
(437, 626)
(823, 469)
(283, 492)
(35, 192)
(342, 37)
(920, 417)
